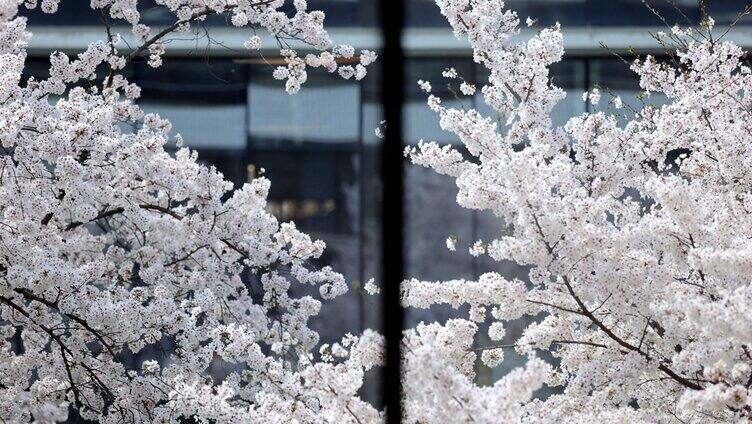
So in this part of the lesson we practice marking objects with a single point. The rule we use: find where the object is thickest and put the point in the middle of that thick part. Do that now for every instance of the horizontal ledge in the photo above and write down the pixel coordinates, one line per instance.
(228, 42)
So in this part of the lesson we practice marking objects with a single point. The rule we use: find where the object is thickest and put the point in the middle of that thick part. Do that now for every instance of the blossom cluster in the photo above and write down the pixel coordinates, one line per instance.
(128, 269)
(635, 233)
(291, 27)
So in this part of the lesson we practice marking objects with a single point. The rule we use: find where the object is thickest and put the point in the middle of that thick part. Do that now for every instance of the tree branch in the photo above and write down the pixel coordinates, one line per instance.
(665, 369)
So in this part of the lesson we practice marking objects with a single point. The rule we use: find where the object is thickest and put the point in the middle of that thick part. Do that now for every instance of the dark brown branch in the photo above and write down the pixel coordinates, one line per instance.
(557, 342)
(549, 248)
(235, 248)
(161, 209)
(116, 211)
(167, 30)
(142, 48)
(64, 350)
(551, 305)
(76, 395)
(188, 255)
(27, 294)
(665, 369)
(47, 218)
(61, 344)
(110, 41)
(105, 214)
(587, 313)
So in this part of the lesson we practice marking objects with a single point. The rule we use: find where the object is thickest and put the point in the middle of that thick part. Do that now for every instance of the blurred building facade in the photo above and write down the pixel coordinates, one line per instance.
(318, 147)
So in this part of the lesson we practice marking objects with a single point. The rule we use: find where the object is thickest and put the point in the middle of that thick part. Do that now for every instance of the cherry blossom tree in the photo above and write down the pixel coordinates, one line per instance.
(115, 241)
(634, 226)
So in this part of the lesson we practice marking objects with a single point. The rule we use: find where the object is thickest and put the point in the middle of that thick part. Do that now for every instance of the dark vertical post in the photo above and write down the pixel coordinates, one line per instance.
(392, 96)
(361, 209)
(587, 83)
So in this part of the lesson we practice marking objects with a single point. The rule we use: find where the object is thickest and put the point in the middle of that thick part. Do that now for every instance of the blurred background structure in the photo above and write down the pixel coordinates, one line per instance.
(319, 148)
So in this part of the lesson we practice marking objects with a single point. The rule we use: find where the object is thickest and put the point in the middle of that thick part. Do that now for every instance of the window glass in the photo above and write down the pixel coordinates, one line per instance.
(371, 198)
(726, 12)
(346, 13)
(431, 211)
(352, 13)
(324, 112)
(614, 78)
(425, 13)
(419, 121)
(204, 100)
(372, 113)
